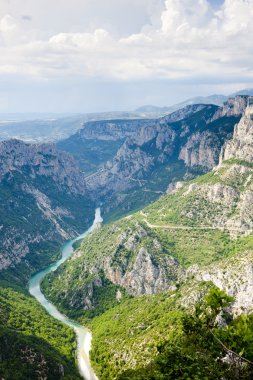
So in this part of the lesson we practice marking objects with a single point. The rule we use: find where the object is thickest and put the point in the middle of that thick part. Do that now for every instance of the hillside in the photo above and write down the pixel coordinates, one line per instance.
(142, 275)
(33, 345)
(44, 201)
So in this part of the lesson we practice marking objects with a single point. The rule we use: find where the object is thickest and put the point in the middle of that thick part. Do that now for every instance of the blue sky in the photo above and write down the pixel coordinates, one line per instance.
(97, 55)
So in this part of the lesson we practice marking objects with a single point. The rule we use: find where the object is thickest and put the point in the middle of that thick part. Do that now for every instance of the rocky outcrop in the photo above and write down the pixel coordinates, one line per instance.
(234, 276)
(146, 276)
(145, 269)
(98, 142)
(201, 149)
(232, 107)
(225, 204)
(241, 146)
(41, 160)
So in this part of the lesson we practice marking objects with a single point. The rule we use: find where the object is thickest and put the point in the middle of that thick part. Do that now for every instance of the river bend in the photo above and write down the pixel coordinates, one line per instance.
(83, 334)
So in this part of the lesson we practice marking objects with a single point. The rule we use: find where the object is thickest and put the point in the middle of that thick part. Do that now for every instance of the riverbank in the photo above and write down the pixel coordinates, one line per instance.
(83, 335)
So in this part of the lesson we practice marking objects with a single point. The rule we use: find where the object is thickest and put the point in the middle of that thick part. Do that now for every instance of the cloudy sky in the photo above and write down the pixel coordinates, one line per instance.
(97, 55)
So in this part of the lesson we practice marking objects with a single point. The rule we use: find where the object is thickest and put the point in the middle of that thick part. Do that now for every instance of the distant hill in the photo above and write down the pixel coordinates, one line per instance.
(212, 99)
(49, 128)
(246, 91)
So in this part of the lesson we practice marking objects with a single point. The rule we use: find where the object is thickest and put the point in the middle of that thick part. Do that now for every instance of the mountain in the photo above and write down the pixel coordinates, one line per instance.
(44, 201)
(180, 145)
(246, 91)
(217, 100)
(98, 141)
(211, 99)
(152, 284)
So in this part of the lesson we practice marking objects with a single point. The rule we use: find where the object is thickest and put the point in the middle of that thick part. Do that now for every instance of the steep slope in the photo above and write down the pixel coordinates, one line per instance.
(197, 236)
(44, 201)
(180, 145)
(98, 141)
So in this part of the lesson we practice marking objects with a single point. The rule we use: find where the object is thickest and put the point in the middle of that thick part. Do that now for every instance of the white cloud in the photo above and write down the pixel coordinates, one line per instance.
(177, 39)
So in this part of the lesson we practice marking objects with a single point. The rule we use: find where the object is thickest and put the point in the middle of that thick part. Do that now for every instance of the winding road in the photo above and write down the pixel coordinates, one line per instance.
(82, 333)
(200, 227)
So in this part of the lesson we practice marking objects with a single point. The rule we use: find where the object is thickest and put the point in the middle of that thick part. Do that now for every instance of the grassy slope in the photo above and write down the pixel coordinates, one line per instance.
(191, 208)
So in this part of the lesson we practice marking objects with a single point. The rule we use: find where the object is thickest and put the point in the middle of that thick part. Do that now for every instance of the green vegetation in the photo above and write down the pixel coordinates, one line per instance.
(154, 338)
(31, 341)
(195, 246)
(199, 203)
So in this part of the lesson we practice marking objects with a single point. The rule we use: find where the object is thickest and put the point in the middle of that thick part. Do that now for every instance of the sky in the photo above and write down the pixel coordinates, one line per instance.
(105, 55)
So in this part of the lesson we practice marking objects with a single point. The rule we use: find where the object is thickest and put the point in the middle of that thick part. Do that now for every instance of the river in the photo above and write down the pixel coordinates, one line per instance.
(83, 334)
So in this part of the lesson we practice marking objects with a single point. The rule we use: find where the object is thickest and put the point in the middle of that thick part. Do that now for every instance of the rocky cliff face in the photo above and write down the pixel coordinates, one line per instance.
(44, 201)
(201, 149)
(110, 129)
(41, 160)
(234, 276)
(233, 107)
(145, 277)
(241, 146)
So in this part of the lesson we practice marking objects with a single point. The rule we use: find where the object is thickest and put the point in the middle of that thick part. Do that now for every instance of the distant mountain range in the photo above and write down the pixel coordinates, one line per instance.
(211, 99)
(49, 127)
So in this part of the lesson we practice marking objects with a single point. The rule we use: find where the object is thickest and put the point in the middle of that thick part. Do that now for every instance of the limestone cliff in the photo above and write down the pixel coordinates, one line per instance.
(241, 146)
(44, 201)
(235, 276)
